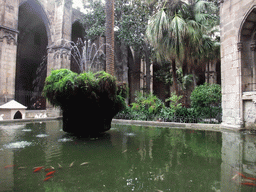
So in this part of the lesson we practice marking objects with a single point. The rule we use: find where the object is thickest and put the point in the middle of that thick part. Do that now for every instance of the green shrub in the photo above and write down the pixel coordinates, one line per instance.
(206, 103)
(148, 104)
(206, 100)
(174, 102)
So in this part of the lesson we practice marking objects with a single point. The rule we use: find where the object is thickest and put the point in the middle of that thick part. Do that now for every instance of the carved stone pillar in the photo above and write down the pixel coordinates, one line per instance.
(8, 49)
(58, 52)
(253, 49)
(240, 46)
(58, 58)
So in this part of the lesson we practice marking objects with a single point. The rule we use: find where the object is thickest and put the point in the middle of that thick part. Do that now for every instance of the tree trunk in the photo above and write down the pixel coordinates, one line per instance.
(174, 76)
(135, 75)
(208, 71)
(185, 63)
(194, 77)
(110, 62)
(148, 75)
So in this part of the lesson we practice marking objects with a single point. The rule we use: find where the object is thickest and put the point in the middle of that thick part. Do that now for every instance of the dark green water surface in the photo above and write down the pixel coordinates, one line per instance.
(126, 158)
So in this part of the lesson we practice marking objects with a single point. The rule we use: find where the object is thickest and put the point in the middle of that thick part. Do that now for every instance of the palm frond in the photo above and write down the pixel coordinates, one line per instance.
(157, 26)
(204, 7)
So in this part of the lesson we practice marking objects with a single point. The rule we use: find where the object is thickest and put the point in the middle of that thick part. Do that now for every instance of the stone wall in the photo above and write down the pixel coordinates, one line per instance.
(235, 58)
(8, 47)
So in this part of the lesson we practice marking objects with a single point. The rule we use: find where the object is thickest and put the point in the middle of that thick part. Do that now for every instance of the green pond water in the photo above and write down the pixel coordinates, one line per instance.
(126, 158)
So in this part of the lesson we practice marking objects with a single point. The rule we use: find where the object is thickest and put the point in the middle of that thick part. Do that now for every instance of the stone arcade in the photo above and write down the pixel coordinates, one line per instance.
(31, 33)
(238, 62)
(27, 29)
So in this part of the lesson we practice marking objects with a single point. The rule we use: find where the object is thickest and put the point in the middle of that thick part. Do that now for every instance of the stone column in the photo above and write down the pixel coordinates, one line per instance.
(253, 49)
(8, 48)
(59, 50)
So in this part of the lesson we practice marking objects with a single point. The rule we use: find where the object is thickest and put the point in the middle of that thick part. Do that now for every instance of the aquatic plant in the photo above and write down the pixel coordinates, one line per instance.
(92, 97)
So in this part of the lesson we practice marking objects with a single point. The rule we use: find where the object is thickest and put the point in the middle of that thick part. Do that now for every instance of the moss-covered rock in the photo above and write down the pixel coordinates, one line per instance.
(89, 101)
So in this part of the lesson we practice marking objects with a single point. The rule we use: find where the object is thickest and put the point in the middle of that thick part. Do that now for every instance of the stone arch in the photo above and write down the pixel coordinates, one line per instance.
(31, 66)
(245, 27)
(77, 30)
(247, 46)
(38, 7)
(17, 115)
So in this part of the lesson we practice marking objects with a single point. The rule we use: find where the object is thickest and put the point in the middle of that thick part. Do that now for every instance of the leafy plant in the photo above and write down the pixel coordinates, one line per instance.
(64, 88)
(94, 20)
(149, 104)
(206, 99)
(174, 102)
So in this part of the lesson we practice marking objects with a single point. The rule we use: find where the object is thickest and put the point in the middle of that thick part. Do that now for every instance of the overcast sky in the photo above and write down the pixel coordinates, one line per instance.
(78, 4)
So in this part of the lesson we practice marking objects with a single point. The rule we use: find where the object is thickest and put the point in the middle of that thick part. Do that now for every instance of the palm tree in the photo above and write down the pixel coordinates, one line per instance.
(178, 35)
(110, 63)
(165, 32)
(201, 20)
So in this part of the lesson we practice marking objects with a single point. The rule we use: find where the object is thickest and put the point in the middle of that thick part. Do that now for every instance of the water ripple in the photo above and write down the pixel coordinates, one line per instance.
(17, 145)
(65, 139)
(26, 130)
(42, 135)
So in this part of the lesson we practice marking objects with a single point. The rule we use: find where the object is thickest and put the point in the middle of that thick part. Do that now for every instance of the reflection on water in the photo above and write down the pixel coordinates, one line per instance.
(126, 158)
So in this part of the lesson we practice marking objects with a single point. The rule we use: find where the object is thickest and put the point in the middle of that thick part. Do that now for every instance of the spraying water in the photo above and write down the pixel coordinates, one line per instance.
(84, 56)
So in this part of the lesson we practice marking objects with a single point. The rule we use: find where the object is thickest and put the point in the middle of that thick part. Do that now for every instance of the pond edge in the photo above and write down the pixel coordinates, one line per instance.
(195, 126)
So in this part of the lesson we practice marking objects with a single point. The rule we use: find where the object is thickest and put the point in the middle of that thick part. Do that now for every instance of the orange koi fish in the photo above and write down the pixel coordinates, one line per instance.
(249, 184)
(242, 175)
(48, 169)
(37, 169)
(251, 178)
(47, 178)
(9, 166)
(50, 173)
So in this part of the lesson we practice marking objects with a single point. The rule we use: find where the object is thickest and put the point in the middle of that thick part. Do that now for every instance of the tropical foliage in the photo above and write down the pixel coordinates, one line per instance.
(206, 107)
(65, 88)
(182, 33)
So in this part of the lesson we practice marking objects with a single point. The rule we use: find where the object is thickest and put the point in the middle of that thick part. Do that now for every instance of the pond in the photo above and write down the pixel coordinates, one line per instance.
(126, 158)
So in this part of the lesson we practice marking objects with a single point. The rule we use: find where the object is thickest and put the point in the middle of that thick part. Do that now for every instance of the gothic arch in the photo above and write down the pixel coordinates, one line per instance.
(37, 6)
(247, 47)
(248, 24)
(31, 64)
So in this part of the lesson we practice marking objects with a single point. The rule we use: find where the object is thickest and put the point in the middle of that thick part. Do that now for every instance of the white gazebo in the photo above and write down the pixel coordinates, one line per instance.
(12, 110)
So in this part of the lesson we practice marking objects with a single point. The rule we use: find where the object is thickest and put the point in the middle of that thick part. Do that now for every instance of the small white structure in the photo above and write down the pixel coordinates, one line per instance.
(13, 110)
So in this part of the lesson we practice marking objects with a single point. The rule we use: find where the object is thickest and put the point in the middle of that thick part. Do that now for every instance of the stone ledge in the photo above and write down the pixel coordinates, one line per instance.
(30, 120)
(195, 126)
